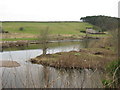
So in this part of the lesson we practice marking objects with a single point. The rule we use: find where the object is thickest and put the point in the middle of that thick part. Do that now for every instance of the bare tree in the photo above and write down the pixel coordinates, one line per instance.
(44, 38)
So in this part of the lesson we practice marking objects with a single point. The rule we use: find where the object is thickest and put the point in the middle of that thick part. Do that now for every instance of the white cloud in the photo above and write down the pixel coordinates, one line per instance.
(55, 10)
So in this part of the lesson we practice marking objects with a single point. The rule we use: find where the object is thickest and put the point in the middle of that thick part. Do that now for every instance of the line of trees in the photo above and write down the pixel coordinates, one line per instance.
(104, 22)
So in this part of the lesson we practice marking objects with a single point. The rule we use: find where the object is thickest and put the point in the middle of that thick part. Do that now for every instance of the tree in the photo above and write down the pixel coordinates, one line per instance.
(44, 38)
(104, 22)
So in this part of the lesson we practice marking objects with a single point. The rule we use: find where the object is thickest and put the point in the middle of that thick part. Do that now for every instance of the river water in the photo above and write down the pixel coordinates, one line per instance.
(37, 76)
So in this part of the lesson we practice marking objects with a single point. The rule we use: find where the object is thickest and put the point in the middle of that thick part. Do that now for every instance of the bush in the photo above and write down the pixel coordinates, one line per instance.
(21, 28)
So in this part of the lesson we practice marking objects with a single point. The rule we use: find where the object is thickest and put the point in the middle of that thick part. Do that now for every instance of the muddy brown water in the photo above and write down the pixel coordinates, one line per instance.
(29, 75)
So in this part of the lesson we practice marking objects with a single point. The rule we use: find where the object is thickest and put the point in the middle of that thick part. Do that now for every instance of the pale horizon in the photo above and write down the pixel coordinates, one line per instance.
(55, 10)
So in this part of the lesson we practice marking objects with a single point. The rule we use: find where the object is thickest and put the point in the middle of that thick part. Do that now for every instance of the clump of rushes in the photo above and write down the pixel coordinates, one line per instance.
(113, 70)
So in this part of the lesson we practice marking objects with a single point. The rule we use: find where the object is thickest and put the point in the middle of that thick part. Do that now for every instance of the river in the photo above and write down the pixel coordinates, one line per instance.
(30, 75)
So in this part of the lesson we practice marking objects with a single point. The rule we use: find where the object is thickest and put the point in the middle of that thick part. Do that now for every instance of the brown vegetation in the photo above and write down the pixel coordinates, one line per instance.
(14, 44)
(85, 58)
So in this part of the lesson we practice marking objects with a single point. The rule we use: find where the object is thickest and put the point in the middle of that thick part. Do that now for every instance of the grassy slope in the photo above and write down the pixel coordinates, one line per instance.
(55, 28)
(32, 29)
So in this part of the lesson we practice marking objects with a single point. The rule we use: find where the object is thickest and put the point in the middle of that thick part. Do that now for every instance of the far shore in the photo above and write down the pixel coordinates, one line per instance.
(17, 43)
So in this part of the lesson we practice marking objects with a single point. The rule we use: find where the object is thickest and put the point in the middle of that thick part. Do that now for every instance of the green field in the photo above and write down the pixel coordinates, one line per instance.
(54, 27)
(31, 30)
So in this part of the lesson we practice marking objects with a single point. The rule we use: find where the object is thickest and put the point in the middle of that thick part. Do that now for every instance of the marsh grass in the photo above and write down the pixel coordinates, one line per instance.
(85, 58)
(113, 72)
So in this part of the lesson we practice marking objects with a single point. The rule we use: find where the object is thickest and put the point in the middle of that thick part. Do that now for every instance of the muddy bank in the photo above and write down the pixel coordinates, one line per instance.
(8, 44)
(85, 58)
(25, 43)
(9, 64)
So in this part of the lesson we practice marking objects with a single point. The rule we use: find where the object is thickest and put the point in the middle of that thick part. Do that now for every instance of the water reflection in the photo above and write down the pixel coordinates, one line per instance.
(82, 44)
(37, 76)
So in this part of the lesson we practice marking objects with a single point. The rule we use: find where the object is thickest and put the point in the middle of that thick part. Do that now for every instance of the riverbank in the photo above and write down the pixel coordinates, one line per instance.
(91, 58)
(25, 43)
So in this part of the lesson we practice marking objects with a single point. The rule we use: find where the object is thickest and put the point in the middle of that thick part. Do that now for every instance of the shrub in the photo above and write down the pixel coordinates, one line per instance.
(21, 28)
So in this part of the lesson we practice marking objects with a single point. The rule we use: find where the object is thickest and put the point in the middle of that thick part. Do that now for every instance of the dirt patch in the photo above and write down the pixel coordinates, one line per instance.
(85, 58)
(9, 64)
(18, 35)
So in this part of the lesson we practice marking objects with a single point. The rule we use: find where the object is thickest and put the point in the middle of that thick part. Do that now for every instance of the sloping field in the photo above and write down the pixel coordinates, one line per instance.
(54, 27)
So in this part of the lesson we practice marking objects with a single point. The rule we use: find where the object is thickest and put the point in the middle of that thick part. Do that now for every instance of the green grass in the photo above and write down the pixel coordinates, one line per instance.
(54, 27)
(16, 39)
(32, 29)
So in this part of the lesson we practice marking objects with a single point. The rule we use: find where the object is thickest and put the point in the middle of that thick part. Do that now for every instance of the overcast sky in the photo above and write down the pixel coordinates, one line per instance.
(55, 10)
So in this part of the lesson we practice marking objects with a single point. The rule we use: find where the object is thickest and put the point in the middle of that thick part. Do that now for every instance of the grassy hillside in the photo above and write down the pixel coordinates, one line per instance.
(31, 30)
(54, 27)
